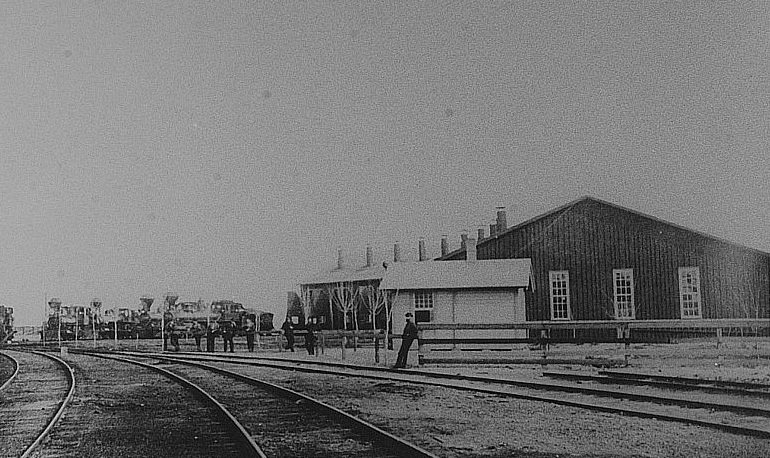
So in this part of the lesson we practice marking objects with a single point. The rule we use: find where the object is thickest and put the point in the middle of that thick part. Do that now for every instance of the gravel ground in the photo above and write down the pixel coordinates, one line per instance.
(460, 424)
(6, 369)
(453, 423)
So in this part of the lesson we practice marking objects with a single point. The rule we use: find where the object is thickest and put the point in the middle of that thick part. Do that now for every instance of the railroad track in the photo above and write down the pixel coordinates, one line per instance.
(32, 401)
(735, 414)
(283, 422)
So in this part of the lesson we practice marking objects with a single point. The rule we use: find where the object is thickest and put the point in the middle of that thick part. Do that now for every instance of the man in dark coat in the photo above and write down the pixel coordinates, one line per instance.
(212, 331)
(251, 332)
(288, 332)
(409, 336)
(228, 332)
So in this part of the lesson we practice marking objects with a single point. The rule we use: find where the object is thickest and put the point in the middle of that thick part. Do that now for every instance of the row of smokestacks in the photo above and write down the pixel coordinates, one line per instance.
(466, 243)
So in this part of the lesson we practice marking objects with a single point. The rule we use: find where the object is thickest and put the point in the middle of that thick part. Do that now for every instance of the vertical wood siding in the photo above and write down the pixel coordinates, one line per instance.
(591, 238)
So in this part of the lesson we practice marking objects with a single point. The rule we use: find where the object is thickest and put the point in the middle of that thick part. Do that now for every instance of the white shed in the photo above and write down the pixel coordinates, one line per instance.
(477, 291)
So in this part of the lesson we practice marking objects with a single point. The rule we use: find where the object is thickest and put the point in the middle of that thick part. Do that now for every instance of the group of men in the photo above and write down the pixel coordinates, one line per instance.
(215, 329)
(227, 329)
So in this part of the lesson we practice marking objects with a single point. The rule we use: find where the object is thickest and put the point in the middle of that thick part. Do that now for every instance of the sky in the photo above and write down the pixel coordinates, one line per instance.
(226, 149)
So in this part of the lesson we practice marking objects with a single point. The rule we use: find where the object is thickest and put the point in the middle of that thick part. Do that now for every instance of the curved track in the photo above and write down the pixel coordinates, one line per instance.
(735, 415)
(14, 371)
(33, 401)
(287, 423)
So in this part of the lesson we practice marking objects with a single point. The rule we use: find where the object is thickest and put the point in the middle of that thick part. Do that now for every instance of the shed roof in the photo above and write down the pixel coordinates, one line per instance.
(489, 273)
(346, 275)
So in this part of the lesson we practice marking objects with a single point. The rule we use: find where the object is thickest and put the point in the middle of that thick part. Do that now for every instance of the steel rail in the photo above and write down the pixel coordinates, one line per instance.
(671, 384)
(765, 433)
(686, 380)
(253, 447)
(62, 406)
(15, 370)
(395, 442)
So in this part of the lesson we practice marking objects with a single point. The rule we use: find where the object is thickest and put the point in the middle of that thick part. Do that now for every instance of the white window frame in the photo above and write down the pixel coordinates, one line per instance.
(423, 299)
(558, 286)
(623, 294)
(690, 299)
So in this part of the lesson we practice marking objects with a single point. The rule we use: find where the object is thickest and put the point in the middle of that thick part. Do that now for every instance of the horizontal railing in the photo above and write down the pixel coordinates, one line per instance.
(607, 324)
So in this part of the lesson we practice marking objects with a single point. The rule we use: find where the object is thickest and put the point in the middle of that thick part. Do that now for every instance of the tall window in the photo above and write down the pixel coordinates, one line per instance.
(423, 304)
(689, 292)
(559, 281)
(623, 281)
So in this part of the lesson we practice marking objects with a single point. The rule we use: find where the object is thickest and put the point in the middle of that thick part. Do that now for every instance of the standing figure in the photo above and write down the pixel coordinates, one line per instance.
(211, 336)
(288, 331)
(310, 339)
(409, 336)
(197, 332)
(174, 331)
(228, 332)
(251, 330)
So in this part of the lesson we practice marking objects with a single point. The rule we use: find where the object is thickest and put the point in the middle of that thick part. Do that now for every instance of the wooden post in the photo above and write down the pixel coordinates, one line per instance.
(419, 347)
(344, 341)
(376, 348)
(719, 337)
(627, 338)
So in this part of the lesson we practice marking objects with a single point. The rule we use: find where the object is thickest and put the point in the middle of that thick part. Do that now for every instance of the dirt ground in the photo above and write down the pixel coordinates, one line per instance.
(453, 423)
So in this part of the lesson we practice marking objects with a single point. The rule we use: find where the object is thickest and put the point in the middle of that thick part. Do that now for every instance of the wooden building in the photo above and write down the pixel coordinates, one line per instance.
(593, 260)
(479, 292)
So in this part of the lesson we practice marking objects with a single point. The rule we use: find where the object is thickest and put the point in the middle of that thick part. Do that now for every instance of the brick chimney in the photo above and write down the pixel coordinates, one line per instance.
(463, 239)
(444, 245)
(339, 258)
(470, 249)
(502, 224)
(421, 250)
(368, 256)
(396, 252)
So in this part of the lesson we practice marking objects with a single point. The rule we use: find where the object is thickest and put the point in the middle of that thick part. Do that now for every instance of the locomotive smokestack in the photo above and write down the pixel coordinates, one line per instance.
(480, 233)
(492, 230)
(421, 249)
(444, 245)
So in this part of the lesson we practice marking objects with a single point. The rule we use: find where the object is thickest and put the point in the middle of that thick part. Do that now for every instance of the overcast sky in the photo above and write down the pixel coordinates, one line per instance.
(222, 150)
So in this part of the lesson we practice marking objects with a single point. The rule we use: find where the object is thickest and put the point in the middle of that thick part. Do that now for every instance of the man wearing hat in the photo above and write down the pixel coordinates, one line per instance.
(409, 335)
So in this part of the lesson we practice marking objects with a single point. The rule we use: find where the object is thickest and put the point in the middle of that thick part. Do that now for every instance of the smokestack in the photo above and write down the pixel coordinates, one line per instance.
(481, 233)
(444, 245)
(339, 258)
(463, 239)
(396, 252)
(502, 225)
(421, 249)
(470, 249)
(368, 256)
(492, 230)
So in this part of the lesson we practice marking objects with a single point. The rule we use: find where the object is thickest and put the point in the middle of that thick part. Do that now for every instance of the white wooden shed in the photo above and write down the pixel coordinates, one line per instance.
(476, 291)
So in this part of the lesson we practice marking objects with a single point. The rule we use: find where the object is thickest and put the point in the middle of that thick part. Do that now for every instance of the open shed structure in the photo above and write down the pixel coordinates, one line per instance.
(593, 260)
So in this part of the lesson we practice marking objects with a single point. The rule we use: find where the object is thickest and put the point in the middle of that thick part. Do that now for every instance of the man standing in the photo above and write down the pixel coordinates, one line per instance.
(211, 336)
(288, 332)
(409, 335)
(251, 331)
(228, 332)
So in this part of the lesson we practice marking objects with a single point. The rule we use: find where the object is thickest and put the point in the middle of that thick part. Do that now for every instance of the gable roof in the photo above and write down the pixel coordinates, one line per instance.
(568, 206)
(346, 275)
(488, 273)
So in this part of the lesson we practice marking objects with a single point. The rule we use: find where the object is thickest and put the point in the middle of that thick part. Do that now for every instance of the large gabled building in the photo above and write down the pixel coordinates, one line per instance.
(593, 260)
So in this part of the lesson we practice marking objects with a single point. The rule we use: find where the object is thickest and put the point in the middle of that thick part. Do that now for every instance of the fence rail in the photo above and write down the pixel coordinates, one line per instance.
(606, 324)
